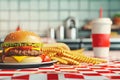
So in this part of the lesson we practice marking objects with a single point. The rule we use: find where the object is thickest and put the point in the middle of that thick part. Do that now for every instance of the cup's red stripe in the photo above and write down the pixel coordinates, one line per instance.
(100, 40)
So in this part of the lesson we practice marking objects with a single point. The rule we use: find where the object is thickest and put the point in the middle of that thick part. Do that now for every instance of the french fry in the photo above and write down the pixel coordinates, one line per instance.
(71, 61)
(78, 50)
(60, 60)
(81, 58)
(47, 49)
(51, 54)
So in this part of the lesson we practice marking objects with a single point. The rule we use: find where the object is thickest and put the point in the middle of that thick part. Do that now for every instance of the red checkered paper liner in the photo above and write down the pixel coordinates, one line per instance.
(104, 71)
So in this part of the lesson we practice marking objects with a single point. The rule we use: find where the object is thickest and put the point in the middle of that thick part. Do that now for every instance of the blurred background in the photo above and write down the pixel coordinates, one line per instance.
(49, 17)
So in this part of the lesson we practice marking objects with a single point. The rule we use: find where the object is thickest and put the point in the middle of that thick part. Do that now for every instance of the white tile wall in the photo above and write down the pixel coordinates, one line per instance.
(84, 4)
(63, 15)
(24, 5)
(43, 28)
(105, 13)
(43, 5)
(4, 5)
(115, 4)
(96, 14)
(75, 14)
(33, 26)
(85, 13)
(14, 15)
(54, 5)
(4, 15)
(34, 15)
(74, 5)
(39, 15)
(3, 26)
(24, 25)
(24, 15)
(64, 4)
(44, 15)
(34, 5)
(54, 24)
(13, 4)
(53, 15)
(97, 4)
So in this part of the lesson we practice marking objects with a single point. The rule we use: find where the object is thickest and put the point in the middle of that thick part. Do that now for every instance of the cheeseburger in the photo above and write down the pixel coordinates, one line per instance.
(22, 47)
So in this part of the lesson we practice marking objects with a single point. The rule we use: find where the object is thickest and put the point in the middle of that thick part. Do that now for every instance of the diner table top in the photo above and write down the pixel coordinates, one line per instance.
(104, 71)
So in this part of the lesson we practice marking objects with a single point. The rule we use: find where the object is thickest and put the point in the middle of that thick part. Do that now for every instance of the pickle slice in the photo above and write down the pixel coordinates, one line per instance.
(21, 44)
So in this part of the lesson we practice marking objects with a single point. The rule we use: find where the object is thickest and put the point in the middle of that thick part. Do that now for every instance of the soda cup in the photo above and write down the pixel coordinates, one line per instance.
(101, 30)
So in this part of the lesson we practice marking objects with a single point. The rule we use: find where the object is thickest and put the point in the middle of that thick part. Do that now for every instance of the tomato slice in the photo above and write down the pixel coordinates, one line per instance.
(45, 58)
(42, 56)
(25, 48)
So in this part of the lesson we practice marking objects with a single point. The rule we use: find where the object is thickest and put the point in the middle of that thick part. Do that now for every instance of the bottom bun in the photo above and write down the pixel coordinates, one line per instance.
(31, 60)
(25, 60)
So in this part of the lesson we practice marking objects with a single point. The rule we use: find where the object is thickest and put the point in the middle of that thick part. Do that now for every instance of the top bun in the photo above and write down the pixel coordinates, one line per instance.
(22, 36)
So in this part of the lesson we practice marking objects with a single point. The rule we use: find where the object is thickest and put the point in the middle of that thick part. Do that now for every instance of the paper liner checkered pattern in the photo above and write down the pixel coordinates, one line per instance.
(109, 71)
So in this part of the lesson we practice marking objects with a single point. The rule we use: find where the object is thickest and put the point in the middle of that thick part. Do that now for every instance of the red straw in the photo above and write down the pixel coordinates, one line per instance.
(101, 13)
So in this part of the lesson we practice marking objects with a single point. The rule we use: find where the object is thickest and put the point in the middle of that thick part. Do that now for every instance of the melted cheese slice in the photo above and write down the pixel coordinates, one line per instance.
(19, 58)
(36, 49)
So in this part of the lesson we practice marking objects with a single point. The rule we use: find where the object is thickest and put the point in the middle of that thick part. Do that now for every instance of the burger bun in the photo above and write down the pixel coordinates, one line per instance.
(22, 36)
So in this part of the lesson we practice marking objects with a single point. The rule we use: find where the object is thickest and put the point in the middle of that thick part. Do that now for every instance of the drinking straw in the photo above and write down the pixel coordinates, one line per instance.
(101, 13)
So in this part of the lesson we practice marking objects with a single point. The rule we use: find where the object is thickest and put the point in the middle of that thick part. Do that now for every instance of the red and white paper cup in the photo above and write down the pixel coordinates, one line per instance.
(101, 30)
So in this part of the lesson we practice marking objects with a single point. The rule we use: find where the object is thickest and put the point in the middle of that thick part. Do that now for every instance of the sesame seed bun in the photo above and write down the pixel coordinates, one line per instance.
(22, 36)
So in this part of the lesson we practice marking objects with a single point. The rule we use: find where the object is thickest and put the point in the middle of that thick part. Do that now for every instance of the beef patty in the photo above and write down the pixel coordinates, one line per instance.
(16, 52)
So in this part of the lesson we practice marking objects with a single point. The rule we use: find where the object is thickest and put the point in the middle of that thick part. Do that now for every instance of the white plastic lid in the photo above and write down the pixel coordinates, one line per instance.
(103, 20)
